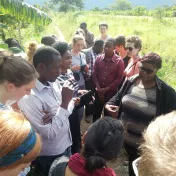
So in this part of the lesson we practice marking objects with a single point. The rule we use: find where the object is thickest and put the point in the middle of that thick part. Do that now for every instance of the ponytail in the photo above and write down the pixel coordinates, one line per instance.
(95, 162)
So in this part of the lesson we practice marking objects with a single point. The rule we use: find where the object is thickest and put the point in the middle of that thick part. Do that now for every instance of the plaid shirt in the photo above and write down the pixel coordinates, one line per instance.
(89, 38)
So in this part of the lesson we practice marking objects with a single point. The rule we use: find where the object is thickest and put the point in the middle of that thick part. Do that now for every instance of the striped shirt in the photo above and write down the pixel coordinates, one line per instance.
(56, 136)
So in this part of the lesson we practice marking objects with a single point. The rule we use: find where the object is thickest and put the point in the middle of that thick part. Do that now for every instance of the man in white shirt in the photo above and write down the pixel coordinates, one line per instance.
(48, 97)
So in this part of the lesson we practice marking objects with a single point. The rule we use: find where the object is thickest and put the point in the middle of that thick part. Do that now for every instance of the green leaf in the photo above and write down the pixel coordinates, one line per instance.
(24, 12)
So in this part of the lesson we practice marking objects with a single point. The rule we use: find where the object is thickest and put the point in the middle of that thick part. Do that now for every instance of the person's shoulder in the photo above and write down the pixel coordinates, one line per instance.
(117, 58)
(85, 51)
(82, 55)
(166, 87)
(99, 57)
(90, 32)
(58, 166)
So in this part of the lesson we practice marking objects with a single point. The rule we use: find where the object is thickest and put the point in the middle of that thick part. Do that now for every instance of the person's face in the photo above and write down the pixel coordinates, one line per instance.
(98, 49)
(109, 48)
(67, 60)
(147, 71)
(52, 71)
(16, 93)
(131, 50)
(103, 29)
(78, 46)
(16, 170)
(14, 43)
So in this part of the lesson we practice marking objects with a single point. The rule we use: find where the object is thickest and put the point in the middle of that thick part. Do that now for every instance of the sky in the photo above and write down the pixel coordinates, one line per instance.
(89, 4)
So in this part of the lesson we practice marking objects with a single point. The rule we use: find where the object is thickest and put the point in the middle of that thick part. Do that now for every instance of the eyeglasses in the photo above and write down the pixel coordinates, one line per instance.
(129, 48)
(146, 70)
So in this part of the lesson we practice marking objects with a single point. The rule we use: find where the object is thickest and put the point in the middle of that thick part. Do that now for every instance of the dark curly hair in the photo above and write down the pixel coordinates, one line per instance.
(62, 47)
(152, 58)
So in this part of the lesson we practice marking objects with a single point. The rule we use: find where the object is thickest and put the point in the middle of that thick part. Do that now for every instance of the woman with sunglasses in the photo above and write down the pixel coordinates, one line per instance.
(141, 99)
(133, 46)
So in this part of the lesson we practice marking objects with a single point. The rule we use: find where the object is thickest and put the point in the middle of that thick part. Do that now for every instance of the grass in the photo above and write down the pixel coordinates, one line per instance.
(157, 35)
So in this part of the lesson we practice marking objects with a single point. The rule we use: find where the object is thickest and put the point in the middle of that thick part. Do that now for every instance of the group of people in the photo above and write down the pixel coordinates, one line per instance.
(45, 92)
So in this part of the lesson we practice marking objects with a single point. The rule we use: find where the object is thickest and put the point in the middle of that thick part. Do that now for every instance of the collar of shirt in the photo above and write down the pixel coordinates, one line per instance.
(39, 86)
(114, 57)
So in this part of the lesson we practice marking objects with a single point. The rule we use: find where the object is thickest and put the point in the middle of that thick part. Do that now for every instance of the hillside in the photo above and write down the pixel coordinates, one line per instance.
(89, 4)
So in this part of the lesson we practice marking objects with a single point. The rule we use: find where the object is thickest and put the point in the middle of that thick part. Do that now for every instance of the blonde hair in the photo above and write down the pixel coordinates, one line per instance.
(158, 152)
(30, 50)
(77, 38)
(134, 39)
(14, 129)
(80, 31)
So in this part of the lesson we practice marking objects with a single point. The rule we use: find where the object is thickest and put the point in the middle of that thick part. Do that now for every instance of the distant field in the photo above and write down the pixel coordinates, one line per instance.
(157, 35)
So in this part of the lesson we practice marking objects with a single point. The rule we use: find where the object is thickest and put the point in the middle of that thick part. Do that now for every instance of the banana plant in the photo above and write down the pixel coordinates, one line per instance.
(24, 12)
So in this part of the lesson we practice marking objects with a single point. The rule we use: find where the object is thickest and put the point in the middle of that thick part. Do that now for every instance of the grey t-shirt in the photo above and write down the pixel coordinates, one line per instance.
(79, 60)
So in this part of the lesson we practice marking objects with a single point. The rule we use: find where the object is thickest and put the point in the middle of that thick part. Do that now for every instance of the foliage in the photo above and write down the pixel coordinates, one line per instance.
(24, 12)
(121, 5)
(157, 36)
(67, 5)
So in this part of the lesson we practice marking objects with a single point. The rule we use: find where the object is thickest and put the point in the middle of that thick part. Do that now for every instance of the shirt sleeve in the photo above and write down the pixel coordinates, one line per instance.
(120, 70)
(32, 107)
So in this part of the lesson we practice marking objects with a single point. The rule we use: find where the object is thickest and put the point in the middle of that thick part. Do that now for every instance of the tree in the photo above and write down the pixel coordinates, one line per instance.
(67, 5)
(17, 14)
(24, 12)
(140, 10)
(121, 5)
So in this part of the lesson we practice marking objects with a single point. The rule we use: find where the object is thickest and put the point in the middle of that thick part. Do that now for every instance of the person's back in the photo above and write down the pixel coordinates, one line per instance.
(102, 143)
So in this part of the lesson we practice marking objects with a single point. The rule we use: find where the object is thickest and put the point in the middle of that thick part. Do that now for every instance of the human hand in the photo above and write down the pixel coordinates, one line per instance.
(67, 93)
(112, 110)
(75, 68)
(86, 69)
(76, 101)
(47, 118)
(82, 92)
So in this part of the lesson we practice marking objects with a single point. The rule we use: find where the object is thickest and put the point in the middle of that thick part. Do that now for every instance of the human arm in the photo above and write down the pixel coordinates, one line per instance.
(33, 108)
(95, 75)
(120, 71)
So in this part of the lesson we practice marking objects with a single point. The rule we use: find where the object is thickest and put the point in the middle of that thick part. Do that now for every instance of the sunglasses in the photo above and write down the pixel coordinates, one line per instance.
(146, 70)
(129, 48)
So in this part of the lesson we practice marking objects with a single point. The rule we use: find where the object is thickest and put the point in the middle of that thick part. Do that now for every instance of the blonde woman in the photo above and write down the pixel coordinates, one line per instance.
(19, 143)
(158, 152)
(79, 64)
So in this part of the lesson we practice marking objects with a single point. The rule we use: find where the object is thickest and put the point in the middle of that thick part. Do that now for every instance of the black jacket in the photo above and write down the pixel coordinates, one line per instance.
(165, 97)
(165, 103)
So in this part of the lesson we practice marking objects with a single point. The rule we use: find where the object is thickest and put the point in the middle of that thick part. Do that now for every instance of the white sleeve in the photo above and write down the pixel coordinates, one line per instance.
(32, 107)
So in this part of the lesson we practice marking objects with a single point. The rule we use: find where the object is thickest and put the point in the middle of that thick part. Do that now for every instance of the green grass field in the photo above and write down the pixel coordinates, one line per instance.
(157, 35)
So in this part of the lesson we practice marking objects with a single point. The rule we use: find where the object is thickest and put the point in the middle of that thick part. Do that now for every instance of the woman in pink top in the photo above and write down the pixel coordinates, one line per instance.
(133, 46)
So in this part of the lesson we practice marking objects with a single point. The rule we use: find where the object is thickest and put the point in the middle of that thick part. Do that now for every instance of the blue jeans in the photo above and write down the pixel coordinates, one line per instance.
(42, 164)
